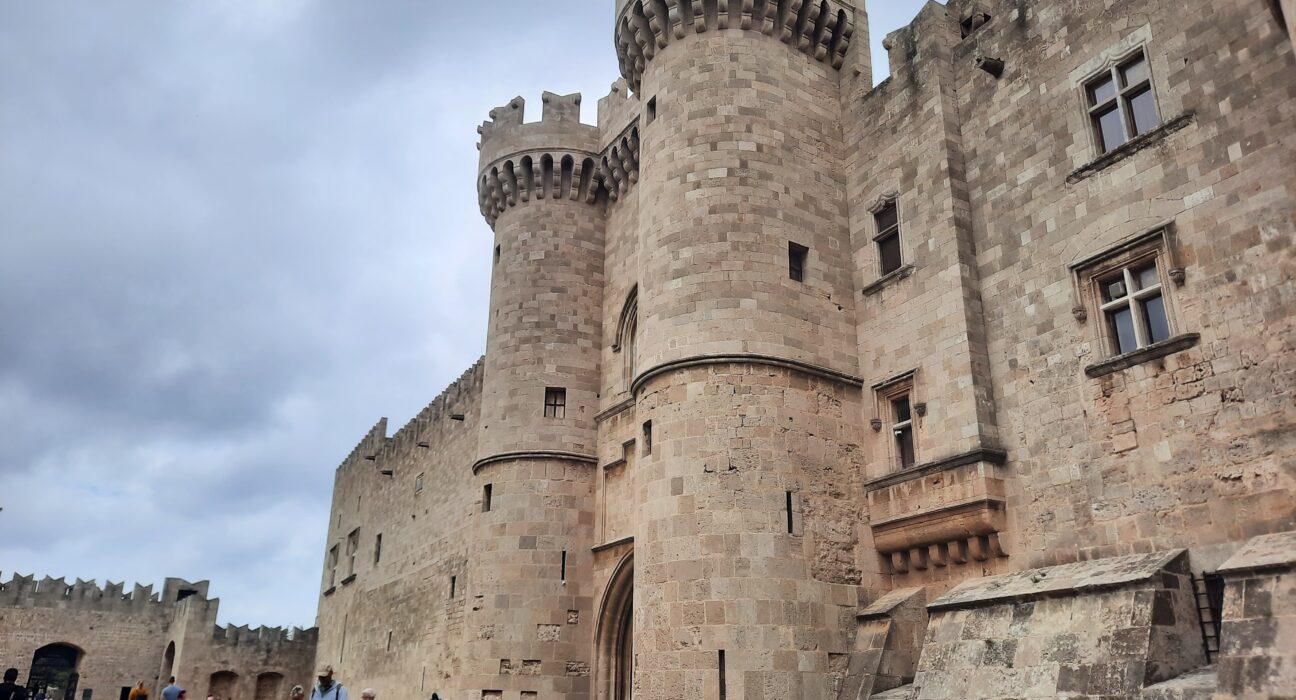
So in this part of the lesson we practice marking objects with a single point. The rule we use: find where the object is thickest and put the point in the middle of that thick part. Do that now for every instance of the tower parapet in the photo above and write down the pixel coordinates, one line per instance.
(818, 28)
(555, 158)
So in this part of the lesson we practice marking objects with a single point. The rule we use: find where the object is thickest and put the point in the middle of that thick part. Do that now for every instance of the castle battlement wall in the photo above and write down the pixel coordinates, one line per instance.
(26, 591)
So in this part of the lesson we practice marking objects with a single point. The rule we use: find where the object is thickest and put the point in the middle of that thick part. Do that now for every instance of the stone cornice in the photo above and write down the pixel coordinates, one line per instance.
(819, 28)
(533, 454)
(744, 358)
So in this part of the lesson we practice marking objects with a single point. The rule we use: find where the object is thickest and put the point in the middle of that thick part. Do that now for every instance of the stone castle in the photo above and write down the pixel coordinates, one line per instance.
(975, 383)
(81, 641)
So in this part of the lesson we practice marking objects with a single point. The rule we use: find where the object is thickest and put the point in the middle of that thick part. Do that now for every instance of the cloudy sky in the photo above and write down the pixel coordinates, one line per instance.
(233, 233)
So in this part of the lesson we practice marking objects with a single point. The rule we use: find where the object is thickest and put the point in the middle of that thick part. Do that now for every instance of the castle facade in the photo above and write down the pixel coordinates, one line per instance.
(976, 383)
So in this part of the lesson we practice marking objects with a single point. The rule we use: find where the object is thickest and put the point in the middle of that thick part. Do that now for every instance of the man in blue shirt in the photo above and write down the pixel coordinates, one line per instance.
(172, 691)
(327, 688)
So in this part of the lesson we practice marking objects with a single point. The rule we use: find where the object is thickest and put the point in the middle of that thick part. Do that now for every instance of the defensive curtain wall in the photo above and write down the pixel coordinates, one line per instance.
(95, 643)
(972, 383)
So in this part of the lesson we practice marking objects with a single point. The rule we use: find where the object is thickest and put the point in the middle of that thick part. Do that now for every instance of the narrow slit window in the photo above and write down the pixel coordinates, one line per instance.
(797, 255)
(1121, 102)
(555, 403)
(497, 253)
(454, 581)
(487, 493)
(723, 689)
(378, 549)
(788, 510)
(647, 437)
(902, 430)
(887, 239)
(418, 484)
(353, 545)
(563, 573)
(333, 564)
(389, 640)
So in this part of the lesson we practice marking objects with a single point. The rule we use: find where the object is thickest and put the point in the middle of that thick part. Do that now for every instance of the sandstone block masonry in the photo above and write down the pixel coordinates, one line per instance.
(963, 384)
(93, 642)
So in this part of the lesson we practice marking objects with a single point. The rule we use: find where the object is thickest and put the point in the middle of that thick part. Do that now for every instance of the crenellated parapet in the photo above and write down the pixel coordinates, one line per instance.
(553, 159)
(28, 592)
(819, 28)
(267, 639)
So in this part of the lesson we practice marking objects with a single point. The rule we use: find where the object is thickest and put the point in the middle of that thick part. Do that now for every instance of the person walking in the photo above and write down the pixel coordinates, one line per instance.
(172, 691)
(368, 694)
(327, 688)
(10, 690)
(139, 692)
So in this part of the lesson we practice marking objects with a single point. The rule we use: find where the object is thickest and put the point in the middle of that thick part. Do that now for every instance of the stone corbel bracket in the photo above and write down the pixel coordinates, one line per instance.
(821, 29)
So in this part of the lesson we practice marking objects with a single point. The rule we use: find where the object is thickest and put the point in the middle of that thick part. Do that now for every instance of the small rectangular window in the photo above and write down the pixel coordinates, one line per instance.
(1121, 102)
(453, 583)
(497, 253)
(555, 404)
(486, 497)
(788, 506)
(389, 638)
(887, 220)
(378, 549)
(647, 437)
(652, 111)
(418, 484)
(724, 690)
(797, 255)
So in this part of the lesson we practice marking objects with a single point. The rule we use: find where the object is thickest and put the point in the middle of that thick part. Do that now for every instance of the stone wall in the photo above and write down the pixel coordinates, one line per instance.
(395, 626)
(1258, 639)
(124, 638)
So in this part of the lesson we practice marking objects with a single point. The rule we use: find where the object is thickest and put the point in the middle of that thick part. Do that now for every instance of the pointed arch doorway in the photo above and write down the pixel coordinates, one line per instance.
(615, 635)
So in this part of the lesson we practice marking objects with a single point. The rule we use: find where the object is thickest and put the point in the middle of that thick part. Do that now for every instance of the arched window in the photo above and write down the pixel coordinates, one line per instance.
(615, 635)
(627, 334)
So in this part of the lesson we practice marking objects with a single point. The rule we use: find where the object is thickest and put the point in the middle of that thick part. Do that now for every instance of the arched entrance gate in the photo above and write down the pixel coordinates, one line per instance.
(614, 638)
(54, 670)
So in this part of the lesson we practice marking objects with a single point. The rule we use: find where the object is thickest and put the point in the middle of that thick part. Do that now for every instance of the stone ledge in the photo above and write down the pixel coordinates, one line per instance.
(892, 276)
(629, 539)
(330, 591)
(889, 602)
(614, 409)
(981, 517)
(533, 454)
(1129, 148)
(347, 581)
(993, 455)
(1062, 580)
(744, 358)
(1276, 551)
(1154, 351)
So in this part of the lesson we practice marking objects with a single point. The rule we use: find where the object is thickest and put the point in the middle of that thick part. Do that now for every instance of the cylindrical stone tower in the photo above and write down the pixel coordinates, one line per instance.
(745, 548)
(529, 620)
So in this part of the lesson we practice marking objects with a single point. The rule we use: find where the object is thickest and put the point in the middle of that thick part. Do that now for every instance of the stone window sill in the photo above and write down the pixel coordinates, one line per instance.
(887, 279)
(1129, 148)
(348, 579)
(330, 590)
(1155, 351)
(983, 454)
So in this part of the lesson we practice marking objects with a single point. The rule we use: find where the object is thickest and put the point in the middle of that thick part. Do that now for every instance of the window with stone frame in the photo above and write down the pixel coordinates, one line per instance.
(887, 237)
(1122, 102)
(555, 404)
(897, 413)
(332, 565)
(1128, 293)
(352, 546)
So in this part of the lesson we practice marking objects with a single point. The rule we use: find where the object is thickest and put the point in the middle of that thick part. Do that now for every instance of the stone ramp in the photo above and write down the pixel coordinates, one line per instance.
(1195, 685)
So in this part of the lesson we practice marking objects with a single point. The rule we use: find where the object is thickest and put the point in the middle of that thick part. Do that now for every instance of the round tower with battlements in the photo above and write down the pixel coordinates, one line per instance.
(745, 548)
(529, 620)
